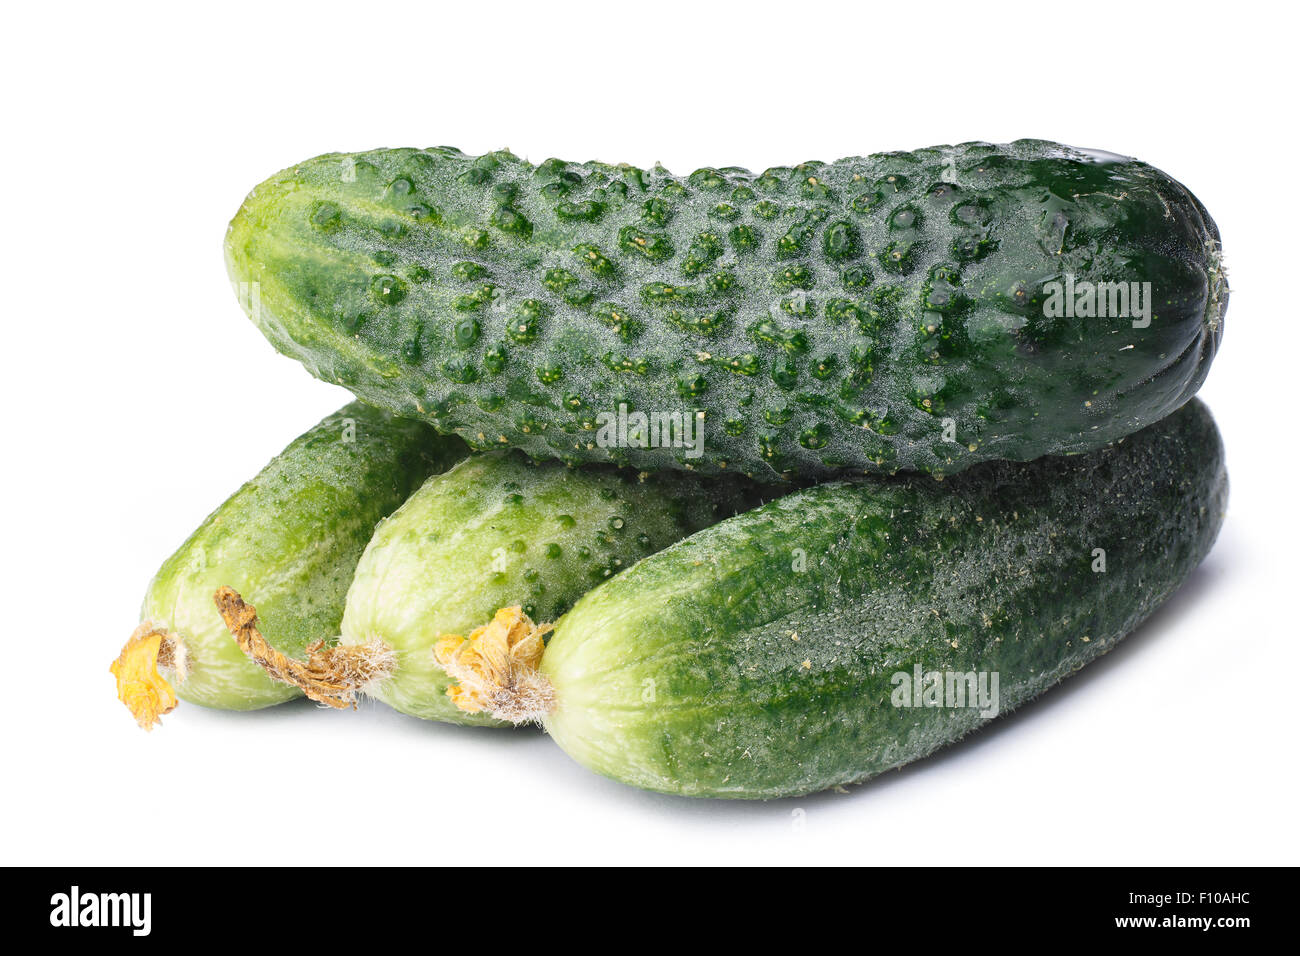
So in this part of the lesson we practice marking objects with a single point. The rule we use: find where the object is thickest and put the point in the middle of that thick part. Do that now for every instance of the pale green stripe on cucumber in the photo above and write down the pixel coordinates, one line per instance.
(289, 540)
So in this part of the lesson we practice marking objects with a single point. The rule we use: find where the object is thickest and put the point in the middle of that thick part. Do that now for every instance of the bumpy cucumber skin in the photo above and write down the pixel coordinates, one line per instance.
(684, 674)
(499, 530)
(288, 542)
(875, 313)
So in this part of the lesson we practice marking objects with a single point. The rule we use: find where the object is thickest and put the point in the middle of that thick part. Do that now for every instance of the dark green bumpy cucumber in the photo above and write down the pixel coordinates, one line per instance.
(289, 540)
(498, 530)
(922, 310)
(768, 655)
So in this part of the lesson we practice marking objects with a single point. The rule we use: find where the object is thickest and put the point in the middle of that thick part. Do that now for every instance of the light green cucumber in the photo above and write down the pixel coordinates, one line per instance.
(288, 541)
(498, 530)
(768, 655)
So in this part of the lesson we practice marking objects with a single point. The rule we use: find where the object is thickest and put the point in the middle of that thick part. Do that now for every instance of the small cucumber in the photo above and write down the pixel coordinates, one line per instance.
(768, 655)
(919, 311)
(498, 530)
(290, 539)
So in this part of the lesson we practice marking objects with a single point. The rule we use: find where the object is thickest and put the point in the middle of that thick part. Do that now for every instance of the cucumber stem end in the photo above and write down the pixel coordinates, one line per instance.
(330, 675)
(497, 668)
(140, 687)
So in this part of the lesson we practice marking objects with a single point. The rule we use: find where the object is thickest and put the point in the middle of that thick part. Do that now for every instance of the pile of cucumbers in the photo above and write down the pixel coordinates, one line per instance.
(739, 485)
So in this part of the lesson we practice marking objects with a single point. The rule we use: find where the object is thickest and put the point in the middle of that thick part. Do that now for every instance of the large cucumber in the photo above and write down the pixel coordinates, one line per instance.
(795, 647)
(497, 531)
(289, 539)
(925, 310)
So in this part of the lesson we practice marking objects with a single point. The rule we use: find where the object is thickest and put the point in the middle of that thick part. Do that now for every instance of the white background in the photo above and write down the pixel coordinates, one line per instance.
(137, 397)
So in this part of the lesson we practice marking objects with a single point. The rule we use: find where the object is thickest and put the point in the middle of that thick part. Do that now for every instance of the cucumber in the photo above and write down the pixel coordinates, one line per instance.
(772, 654)
(290, 539)
(922, 311)
(498, 530)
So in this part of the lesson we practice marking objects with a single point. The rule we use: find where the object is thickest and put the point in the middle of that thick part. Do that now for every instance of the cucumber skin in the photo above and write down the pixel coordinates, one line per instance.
(987, 571)
(482, 536)
(288, 542)
(425, 282)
